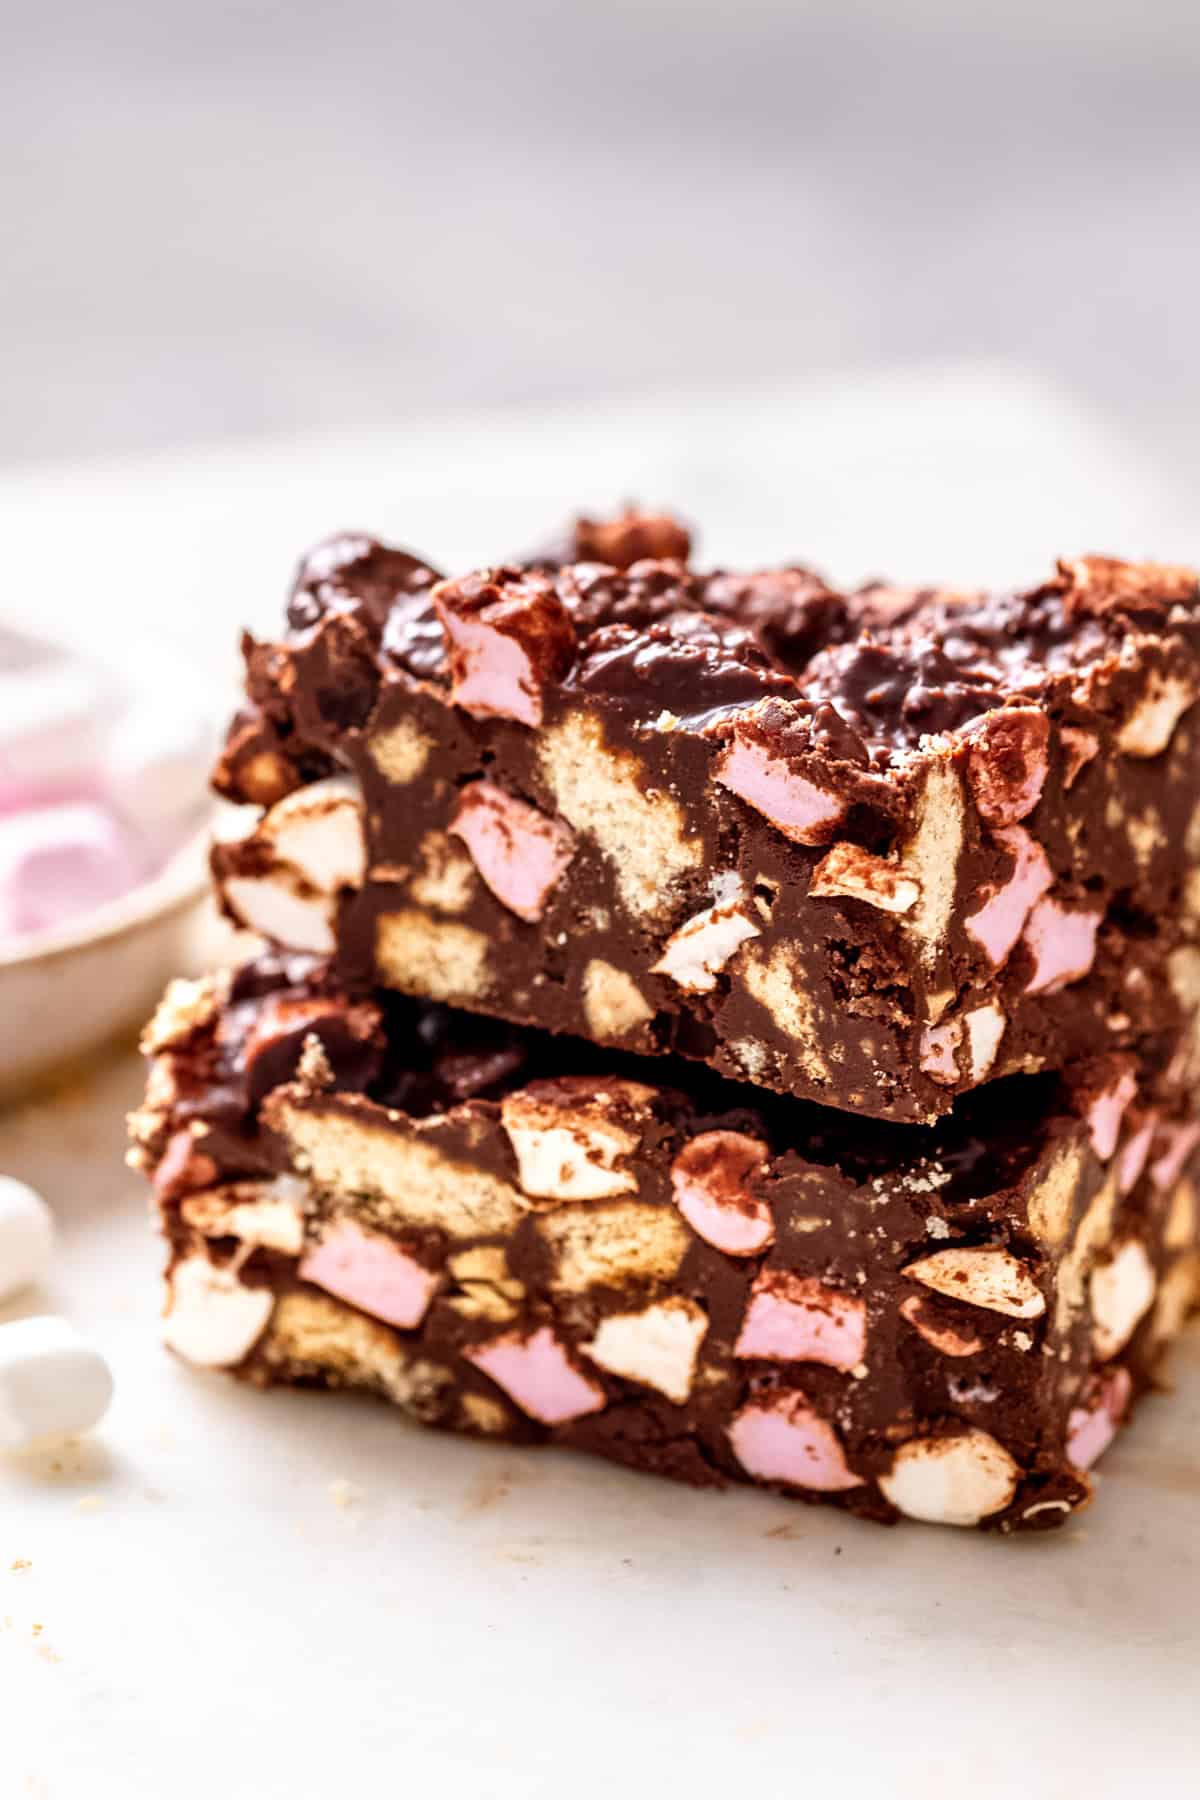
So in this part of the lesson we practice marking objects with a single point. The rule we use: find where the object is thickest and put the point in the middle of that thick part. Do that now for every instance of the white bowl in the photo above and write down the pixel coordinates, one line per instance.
(66, 992)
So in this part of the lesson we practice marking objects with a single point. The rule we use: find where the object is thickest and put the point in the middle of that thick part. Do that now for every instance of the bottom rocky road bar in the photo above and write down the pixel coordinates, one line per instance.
(534, 1241)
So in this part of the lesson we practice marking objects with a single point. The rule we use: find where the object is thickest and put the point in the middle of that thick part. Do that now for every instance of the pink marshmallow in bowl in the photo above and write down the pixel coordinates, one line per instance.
(102, 863)
(102, 783)
(61, 860)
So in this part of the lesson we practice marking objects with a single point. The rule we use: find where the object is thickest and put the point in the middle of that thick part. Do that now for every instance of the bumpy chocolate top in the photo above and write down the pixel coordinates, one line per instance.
(869, 673)
(358, 576)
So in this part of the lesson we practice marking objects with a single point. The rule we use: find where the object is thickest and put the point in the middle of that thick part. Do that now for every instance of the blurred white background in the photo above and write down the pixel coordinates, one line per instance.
(234, 219)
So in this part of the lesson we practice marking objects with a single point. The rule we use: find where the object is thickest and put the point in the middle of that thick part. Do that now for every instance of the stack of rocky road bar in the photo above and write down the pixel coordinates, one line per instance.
(736, 1027)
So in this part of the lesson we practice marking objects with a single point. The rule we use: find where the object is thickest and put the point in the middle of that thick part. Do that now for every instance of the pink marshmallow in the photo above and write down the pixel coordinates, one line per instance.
(801, 810)
(370, 1272)
(710, 1183)
(1001, 919)
(494, 674)
(1092, 1427)
(519, 852)
(793, 1318)
(1105, 1113)
(1167, 1166)
(17, 796)
(780, 1438)
(1008, 763)
(507, 637)
(57, 862)
(537, 1373)
(1063, 944)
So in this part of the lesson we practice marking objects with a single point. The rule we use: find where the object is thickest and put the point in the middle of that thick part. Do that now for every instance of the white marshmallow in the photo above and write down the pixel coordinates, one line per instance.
(26, 1236)
(951, 1481)
(318, 830)
(53, 1384)
(1121, 1291)
(694, 955)
(211, 1319)
(657, 1346)
(269, 905)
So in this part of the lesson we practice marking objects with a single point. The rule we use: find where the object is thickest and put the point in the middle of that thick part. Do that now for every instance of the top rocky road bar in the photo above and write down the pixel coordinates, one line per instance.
(870, 848)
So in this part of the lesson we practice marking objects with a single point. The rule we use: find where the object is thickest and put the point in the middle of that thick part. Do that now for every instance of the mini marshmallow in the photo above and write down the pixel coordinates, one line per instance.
(987, 1277)
(60, 861)
(796, 1318)
(26, 1236)
(519, 851)
(53, 1383)
(781, 1437)
(951, 1480)
(1001, 919)
(801, 810)
(371, 1272)
(1063, 943)
(694, 955)
(98, 786)
(538, 1374)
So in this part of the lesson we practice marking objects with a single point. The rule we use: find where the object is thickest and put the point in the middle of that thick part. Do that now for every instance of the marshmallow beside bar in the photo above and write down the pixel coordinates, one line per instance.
(53, 1383)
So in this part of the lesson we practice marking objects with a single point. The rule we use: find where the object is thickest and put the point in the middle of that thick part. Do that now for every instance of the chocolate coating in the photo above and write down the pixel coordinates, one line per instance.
(881, 1357)
(914, 733)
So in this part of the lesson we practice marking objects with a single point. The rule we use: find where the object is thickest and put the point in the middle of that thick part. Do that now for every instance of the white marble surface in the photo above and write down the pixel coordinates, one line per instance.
(186, 1609)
